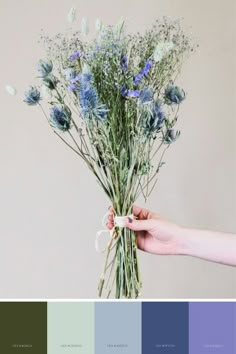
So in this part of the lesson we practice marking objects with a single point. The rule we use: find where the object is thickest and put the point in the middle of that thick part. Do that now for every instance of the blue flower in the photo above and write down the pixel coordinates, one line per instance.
(60, 118)
(74, 56)
(72, 87)
(133, 93)
(147, 67)
(146, 96)
(32, 96)
(89, 103)
(155, 118)
(124, 63)
(70, 74)
(44, 68)
(171, 136)
(143, 72)
(174, 95)
(85, 78)
(129, 93)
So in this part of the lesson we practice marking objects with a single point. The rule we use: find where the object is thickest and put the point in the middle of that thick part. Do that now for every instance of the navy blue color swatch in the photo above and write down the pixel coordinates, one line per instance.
(165, 327)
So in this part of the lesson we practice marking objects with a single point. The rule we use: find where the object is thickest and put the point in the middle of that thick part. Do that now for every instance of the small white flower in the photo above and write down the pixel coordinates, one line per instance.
(98, 25)
(84, 26)
(162, 50)
(71, 17)
(11, 90)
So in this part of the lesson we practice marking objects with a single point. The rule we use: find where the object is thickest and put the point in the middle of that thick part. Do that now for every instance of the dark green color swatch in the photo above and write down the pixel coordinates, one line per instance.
(23, 327)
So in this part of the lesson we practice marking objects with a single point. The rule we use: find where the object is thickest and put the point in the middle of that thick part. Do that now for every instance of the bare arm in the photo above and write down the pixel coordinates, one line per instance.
(159, 236)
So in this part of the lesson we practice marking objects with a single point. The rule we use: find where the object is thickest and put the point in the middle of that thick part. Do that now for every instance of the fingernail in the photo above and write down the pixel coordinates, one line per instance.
(130, 219)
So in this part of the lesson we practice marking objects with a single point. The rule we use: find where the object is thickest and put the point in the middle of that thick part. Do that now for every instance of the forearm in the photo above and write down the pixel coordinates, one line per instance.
(209, 245)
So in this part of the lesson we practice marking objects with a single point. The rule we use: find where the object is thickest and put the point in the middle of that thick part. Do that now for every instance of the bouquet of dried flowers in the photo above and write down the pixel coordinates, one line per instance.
(114, 102)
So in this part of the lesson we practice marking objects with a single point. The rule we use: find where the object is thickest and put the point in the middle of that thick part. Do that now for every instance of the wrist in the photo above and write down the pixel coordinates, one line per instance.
(183, 245)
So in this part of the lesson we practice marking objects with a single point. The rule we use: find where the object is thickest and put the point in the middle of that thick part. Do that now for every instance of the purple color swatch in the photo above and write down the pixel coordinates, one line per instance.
(211, 328)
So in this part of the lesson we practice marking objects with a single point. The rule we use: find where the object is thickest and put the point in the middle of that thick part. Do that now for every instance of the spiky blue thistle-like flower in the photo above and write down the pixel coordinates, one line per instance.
(60, 117)
(155, 118)
(32, 96)
(143, 72)
(50, 82)
(70, 74)
(45, 68)
(88, 97)
(89, 103)
(174, 95)
(85, 78)
(146, 96)
(171, 136)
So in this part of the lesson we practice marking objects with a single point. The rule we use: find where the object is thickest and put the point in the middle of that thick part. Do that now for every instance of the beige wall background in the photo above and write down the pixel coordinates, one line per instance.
(50, 204)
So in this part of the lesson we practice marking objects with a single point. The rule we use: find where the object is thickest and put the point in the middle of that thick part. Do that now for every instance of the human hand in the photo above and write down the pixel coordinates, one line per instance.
(154, 233)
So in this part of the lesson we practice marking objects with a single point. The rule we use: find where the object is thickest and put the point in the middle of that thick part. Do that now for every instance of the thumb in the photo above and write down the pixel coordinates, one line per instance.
(139, 225)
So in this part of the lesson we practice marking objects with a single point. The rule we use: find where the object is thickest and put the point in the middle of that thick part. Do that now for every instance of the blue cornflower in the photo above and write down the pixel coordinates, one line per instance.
(147, 67)
(174, 95)
(60, 117)
(143, 72)
(74, 56)
(146, 96)
(155, 119)
(32, 96)
(44, 68)
(133, 93)
(124, 63)
(129, 93)
(123, 91)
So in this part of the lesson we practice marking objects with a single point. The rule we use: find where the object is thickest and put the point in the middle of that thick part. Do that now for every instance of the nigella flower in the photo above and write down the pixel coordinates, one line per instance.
(89, 103)
(44, 68)
(60, 117)
(143, 72)
(124, 63)
(74, 56)
(32, 96)
(146, 96)
(174, 95)
(155, 118)
(171, 136)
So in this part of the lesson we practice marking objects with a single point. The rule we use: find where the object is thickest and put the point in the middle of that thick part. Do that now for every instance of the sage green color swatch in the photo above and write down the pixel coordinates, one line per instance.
(23, 327)
(70, 328)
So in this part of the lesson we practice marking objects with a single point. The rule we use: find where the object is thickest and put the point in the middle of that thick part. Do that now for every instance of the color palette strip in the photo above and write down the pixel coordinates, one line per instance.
(118, 327)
